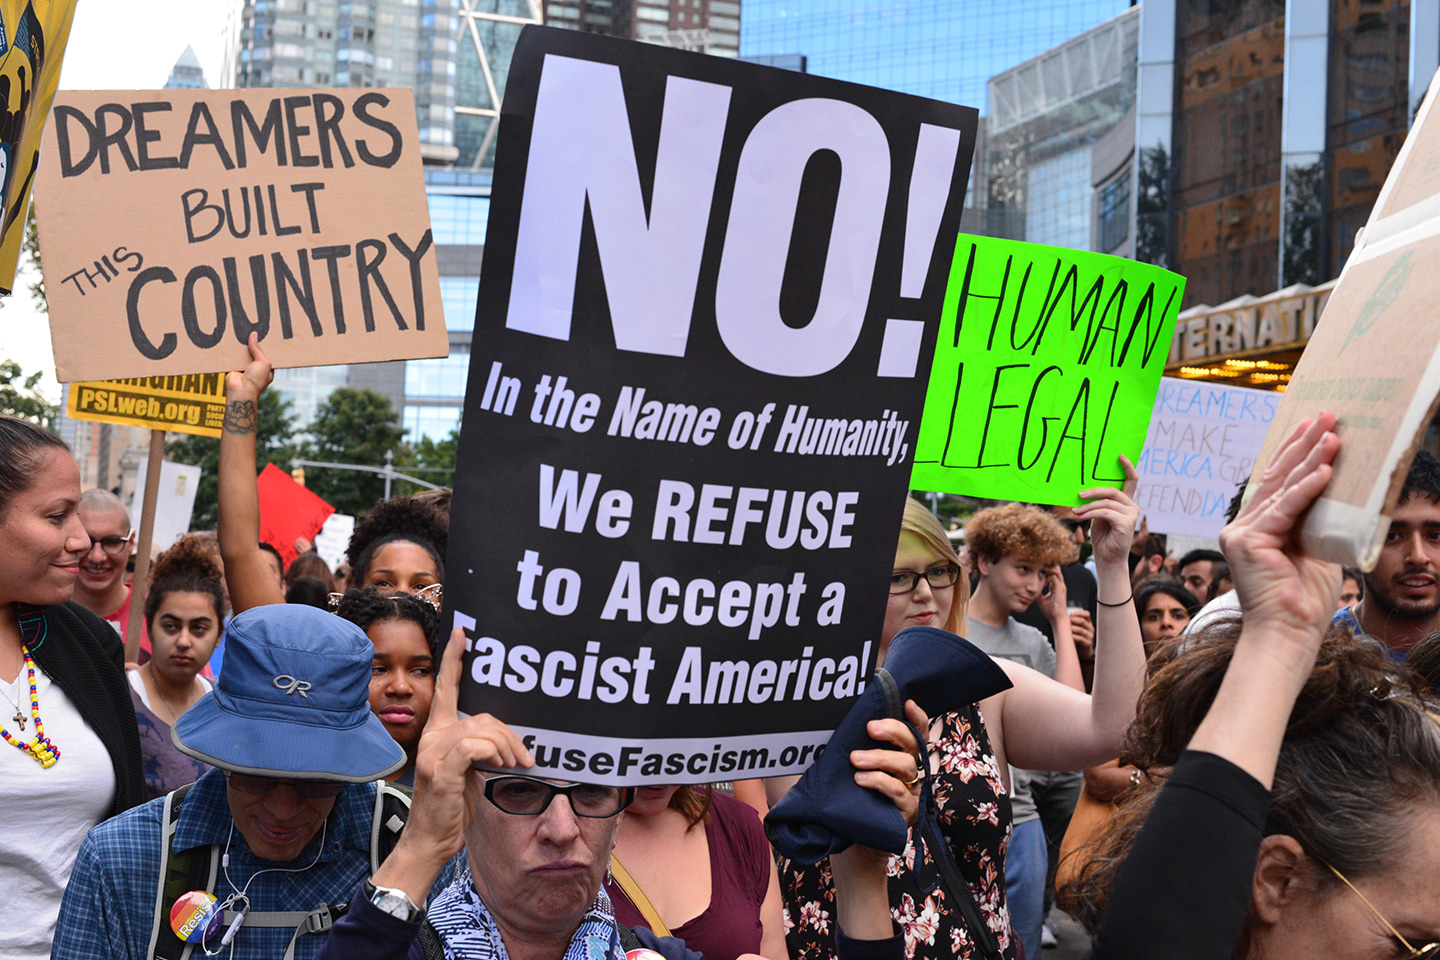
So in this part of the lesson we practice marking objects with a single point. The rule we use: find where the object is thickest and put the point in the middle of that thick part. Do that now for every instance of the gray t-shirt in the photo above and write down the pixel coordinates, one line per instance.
(1022, 644)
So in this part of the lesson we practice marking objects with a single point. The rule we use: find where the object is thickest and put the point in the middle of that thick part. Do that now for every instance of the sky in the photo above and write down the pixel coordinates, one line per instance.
(114, 45)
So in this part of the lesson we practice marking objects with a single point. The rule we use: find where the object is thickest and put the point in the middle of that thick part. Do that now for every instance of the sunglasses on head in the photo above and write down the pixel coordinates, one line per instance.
(260, 786)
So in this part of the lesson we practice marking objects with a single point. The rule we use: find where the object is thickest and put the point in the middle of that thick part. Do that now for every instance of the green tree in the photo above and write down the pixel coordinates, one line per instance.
(432, 460)
(19, 398)
(358, 427)
(274, 443)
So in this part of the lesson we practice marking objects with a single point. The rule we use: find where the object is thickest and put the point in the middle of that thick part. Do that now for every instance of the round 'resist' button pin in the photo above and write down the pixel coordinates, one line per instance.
(196, 916)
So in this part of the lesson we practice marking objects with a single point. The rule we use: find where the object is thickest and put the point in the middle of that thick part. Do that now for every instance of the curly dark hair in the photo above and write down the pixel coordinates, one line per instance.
(364, 606)
(398, 518)
(1423, 478)
(1362, 748)
(191, 565)
(1022, 531)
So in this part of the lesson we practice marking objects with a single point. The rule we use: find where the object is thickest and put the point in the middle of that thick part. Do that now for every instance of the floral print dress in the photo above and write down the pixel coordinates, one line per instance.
(974, 813)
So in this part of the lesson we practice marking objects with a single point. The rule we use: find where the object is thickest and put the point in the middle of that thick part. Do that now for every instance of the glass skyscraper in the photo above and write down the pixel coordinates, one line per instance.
(943, 49)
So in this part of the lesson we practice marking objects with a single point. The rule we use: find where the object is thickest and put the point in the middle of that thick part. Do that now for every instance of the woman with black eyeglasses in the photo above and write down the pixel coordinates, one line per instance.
(1038, 724)
(536, 851)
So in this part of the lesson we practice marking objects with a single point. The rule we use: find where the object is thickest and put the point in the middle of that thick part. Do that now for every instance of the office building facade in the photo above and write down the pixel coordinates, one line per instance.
(187, 74)
(1266, 129)
(454, 55)
(1048, 154)
(705, 26)
(931, 48)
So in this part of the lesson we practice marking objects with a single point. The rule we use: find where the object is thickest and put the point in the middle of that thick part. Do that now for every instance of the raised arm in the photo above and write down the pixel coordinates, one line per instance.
(1288, 599)
(1213, 808)
(1043, 725)
(247, 572)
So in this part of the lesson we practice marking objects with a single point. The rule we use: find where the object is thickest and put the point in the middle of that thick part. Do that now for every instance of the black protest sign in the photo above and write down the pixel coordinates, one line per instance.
(707, 291)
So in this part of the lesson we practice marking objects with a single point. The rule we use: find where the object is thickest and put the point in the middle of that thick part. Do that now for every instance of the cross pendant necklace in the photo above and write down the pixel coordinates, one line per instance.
(19, 717)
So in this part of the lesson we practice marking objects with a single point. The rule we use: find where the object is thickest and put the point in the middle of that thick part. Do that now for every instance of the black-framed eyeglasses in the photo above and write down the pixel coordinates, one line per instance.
(112, 545)
(938, 577)
(530, 796)
(259, 786)
(1427, 952)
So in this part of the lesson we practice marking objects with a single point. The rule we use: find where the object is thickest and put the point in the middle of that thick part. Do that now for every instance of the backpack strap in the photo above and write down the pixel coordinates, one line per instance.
(628, 940)
(319, 920)
(392, 809)
(431, 947)
(180, 873)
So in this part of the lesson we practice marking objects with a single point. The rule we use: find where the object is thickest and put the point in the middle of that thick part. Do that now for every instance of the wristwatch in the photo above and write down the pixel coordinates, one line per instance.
(394, 901)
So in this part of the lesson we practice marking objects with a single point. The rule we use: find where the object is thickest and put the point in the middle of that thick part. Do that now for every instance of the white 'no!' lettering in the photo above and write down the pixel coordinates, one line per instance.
(581, 148)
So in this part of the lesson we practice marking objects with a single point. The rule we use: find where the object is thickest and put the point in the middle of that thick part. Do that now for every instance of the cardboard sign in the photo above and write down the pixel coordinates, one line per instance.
(33, 34)
(193, 404)
(1202, 443)
(1374, 359)
(174, 500)
(1045, 371)
(707, 291)
(288, 511)
(174, 223)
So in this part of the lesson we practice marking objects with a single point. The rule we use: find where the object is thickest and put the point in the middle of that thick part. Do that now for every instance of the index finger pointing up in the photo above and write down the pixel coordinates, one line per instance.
(444, 709)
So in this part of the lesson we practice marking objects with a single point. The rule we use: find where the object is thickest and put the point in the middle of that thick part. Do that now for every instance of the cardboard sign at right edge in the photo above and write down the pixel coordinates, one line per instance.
(1374, 360)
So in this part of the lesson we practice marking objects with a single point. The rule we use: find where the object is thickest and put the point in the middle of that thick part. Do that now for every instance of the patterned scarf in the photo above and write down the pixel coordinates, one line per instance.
(468, 931)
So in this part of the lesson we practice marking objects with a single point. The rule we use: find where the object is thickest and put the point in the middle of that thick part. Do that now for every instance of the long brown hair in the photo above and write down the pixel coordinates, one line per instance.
(693, 803)
(1362, 748)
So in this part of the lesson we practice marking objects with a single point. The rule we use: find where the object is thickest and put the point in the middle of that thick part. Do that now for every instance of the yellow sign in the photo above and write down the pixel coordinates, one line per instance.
(190, 404)
(33, 34)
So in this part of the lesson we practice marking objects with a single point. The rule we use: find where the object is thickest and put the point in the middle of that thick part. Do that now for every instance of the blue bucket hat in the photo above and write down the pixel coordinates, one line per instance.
(292, 701)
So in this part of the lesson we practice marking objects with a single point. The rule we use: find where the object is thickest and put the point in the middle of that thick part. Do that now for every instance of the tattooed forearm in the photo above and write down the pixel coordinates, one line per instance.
(240, 416)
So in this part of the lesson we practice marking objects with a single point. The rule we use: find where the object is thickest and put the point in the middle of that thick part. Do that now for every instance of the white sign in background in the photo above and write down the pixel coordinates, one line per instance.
(334, 538)
(174, 503)
(1202, 442)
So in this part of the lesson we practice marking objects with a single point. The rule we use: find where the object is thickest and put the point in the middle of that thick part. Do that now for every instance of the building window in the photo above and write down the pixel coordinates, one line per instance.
(1115, 213)
(442, 377)
(459, 220)
(1057, 201)
(433, 422)
(458, 296)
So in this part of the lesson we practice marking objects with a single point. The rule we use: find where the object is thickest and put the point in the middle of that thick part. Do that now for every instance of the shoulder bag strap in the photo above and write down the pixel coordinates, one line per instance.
(637, 897)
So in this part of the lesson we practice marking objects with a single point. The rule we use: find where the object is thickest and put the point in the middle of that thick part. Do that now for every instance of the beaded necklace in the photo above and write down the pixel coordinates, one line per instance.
(41, 747)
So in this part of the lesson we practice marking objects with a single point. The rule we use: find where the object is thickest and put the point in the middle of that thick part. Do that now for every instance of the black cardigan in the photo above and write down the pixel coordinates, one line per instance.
(83, 655)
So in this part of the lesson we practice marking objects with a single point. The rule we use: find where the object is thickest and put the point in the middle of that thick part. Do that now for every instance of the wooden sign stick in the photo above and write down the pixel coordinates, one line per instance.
(142, 549)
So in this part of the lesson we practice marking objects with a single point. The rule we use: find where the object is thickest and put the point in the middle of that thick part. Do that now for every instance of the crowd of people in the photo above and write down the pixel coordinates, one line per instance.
(1213, 756)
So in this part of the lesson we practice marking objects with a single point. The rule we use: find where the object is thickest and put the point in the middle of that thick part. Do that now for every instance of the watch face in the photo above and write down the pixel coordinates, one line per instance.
(395, 905)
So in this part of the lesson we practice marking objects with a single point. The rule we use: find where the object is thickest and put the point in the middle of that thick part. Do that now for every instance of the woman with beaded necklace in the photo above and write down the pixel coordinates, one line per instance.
(71, 754)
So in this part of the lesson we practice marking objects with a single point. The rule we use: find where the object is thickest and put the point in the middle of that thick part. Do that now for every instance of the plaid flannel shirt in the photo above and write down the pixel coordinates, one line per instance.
(109, 905)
